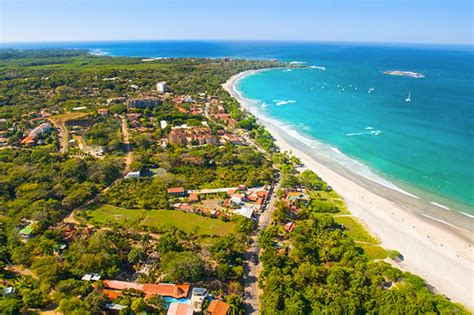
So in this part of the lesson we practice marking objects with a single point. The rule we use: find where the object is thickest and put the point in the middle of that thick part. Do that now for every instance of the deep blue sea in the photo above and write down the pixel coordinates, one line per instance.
(354, 107)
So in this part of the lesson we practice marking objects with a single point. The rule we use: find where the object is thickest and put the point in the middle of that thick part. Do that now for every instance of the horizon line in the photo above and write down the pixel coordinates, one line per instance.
(236, 40)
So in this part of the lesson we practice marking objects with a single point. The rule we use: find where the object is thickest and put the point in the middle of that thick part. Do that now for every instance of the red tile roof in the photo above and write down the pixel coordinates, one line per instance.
(289, 227)
(111, 294)
(176, 190)
(150, 289)
(217, 307)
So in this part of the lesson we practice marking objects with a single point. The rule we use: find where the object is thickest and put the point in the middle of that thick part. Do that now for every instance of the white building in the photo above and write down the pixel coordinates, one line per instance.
(133, 175)
(245, 211)
(163, 124)
(199, 295)
(162, 87)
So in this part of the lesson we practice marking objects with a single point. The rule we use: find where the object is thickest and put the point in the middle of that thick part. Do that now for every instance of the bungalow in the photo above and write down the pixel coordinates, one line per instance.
(297, 198)
(176, 191)
(289, 227)
(132, 175)
(103, 112)
(29, 141)
(26, 232)
(177, 308)
(217, 307)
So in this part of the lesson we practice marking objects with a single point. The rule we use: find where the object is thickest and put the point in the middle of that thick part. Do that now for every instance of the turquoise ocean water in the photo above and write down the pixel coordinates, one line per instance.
(425, 144)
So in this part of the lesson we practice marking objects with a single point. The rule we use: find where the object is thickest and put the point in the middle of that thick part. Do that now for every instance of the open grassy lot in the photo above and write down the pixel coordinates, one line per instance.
(375, 251)
(331, 197)
(355, 229)
(132, 218)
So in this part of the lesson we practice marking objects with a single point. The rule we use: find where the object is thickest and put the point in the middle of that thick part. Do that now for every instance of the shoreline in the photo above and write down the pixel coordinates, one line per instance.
(399, 220)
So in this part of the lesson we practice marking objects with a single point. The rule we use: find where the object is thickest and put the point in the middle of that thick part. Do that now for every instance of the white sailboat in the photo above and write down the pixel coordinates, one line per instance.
(408, 99)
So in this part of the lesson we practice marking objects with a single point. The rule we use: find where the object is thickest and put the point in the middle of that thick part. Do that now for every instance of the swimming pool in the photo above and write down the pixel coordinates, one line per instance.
(170, 300)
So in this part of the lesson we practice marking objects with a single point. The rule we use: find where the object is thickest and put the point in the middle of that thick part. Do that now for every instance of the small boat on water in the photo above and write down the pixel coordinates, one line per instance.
(408, 99)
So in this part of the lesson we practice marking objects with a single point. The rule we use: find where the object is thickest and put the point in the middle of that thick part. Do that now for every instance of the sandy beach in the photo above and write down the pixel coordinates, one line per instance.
(438, 251)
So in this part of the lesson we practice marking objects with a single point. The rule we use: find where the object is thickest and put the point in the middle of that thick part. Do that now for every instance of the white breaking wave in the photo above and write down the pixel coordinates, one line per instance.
(287, 70)
(467, 214)
(333, 154)
(440, 205)
(264, 105)
(321, 148)
(297, 62)
(304, 127)
(318, 67)
(98, 52)
(369, 131)
(283, 102)
(439, 220)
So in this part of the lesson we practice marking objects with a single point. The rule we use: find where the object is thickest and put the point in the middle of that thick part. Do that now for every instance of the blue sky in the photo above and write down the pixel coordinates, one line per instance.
(419, 21)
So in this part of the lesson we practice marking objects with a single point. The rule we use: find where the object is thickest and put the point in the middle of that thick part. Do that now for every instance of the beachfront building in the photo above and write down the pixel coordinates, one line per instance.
(144, 102)
(162, 87)
(296, 199)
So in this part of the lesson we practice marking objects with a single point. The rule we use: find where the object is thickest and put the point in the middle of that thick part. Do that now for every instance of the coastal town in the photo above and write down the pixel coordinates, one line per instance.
(146, 189)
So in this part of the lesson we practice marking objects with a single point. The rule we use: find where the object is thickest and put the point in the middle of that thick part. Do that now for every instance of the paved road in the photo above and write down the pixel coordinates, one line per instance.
(63, 134)
(127, 144)
(251, 256)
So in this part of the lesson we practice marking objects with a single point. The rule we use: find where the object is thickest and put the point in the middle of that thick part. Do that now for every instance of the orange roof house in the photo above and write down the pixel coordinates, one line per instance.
(253, 198)
(176, 191)
(217, 307)
(30, 140)
(111, 294)
(194, 197)
(103, 111)
(150, 289)
(289, 227)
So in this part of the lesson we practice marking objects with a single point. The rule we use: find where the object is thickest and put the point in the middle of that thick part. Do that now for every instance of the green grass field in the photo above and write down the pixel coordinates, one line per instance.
(375, 251)
(356, 230)
(188, 222)
(333, 198)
